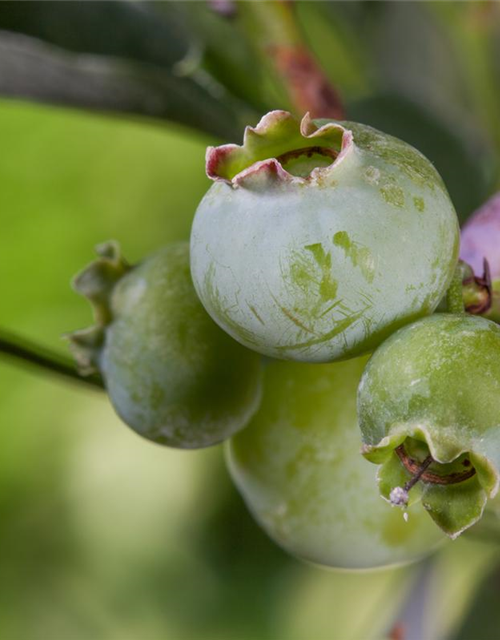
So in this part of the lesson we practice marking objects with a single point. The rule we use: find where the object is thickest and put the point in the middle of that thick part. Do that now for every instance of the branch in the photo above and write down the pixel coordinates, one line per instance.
(29, 354)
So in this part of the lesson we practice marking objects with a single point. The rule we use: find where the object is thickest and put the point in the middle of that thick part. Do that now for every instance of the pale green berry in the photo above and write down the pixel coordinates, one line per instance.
(299, 468)
(318, 239)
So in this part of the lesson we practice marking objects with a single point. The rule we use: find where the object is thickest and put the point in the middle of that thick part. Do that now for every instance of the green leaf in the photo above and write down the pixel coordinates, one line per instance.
(102, 28)
(335, 39)
(446, 593)
(483, 619)
(226, 52)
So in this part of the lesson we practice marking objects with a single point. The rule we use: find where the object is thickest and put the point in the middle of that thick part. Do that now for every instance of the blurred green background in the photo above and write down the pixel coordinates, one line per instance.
(104, 535)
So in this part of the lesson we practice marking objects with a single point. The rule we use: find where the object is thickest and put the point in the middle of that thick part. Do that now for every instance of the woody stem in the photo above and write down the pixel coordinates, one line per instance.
(30, 354)
(425, 464)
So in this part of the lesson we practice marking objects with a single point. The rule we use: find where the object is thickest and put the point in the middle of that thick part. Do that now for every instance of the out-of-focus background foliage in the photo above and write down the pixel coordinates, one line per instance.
(106, 112)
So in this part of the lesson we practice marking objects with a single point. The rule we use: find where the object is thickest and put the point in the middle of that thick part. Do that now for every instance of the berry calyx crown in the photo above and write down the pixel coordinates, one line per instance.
(280, 148)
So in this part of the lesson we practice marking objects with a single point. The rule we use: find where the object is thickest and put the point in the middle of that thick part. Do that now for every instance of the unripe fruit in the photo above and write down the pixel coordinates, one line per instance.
(317, 240)
(298, 467)
(171, 373)
(429, 404)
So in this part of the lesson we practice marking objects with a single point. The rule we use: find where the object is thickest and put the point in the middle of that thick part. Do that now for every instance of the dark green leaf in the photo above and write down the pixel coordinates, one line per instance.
(483, 620)
(122, 29)
(113, 56)
(226, 51)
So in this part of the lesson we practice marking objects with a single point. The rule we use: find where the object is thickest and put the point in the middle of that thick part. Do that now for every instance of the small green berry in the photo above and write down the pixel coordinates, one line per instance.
(171, 373)
(429, 412)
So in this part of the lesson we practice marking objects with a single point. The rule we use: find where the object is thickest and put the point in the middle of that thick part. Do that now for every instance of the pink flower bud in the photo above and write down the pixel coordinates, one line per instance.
(480, 238)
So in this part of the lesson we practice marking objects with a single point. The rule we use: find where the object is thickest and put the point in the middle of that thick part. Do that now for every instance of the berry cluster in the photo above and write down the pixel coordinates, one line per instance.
(318, 243)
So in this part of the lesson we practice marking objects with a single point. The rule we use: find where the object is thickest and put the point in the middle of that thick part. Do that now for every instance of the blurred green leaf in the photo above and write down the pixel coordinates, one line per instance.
(396, 32)
(102, 28)
(334, 38)
(462, 158)
(483, 619)
(473, 32)
(444, 591)
(488, 528)
(225, 51)
(439, 55)
(119, 56)
(69, 180)
(341, 605)
(457, 573)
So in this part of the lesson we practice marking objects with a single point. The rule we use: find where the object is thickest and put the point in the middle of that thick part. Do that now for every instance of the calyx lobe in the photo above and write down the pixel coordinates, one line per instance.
(268, 149)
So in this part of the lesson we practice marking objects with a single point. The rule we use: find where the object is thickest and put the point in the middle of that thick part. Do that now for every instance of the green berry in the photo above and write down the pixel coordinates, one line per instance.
(171, 373)
(298, 467)
(429, 404)
(318, 239)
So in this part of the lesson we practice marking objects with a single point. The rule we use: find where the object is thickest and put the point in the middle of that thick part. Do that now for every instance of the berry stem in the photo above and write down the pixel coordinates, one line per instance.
(423, 467)
(399, 495)
(454, 295)
(30, 354)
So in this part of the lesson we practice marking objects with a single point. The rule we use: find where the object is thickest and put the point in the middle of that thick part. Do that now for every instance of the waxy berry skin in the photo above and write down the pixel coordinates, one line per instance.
(433, 388)
(171, 373)
(298, 467)
(318, 239)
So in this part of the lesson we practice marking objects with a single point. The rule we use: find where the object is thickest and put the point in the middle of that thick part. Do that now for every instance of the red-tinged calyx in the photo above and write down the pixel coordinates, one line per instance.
(280, 147)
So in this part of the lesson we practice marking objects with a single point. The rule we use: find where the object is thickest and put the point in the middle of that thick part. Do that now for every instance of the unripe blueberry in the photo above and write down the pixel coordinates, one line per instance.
(171, 373)
(318, 239)
(298, 467)
(429, 410)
